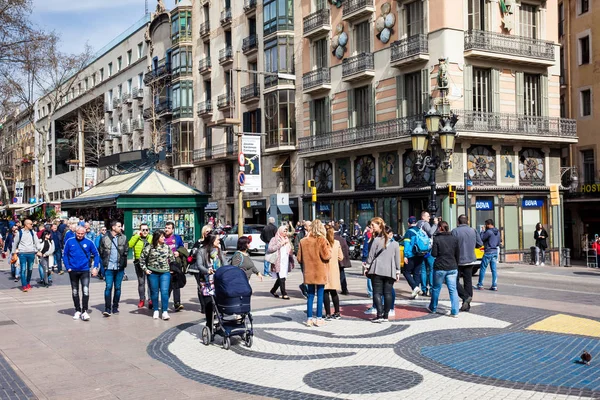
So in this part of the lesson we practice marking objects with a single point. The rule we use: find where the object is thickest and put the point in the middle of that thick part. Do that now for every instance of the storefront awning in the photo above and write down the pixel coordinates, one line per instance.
(279, 163)
(285, 210)
(29, 207)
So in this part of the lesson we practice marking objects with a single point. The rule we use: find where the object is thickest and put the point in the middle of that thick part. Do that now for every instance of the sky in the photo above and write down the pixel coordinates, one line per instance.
(96, 22)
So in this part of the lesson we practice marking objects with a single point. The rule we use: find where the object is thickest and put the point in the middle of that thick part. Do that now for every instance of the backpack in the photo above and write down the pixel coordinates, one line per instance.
(231, 259)
(21, 233)
(421, 243)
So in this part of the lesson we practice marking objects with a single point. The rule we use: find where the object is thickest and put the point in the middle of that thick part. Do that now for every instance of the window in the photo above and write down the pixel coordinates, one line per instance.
(321, 53)
(79, 89)
(561, 57)
(120, 90)
(110, 69)
(129, 85)
(362, 106)
(208, 179)
(119, 63)
(278, 15)
(589, 168)
(140, 80)
(586, 102)
(482, 101)
(561, 20)
(279, 55)
(528, 21)
(584, 6)
(563, 107)
(93, 80)
(412, 94)
(321, 116)
(476, 14)
(140, 48)
(414, 18)
(320, 4)
(86, 84)
(362, 33)
(584, 50)
(128, 57)
(181, 25)
(101, 74)
(532, 99)
(110, 96)
(280, 110)
(251, 121)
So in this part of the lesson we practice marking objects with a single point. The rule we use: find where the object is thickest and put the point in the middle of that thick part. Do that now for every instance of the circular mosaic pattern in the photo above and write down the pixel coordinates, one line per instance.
(362, 379)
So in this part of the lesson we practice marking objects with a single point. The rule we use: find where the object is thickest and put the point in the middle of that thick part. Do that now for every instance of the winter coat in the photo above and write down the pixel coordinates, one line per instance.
(333, 276)
(468, 240)
(137, 244)
(446, 250)
(106, 245)
(203, 263)
(543, 242)
(268, 233)
(491, 240)
(157, 259)
(275, 246)
(314, 254)
(345, 262)
(384, 260)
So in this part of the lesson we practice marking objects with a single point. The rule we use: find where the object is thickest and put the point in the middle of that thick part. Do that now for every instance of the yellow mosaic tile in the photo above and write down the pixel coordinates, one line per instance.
(561, 323)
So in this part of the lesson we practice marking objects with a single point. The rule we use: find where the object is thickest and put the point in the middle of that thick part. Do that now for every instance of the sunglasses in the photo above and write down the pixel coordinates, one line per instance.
(145, 230)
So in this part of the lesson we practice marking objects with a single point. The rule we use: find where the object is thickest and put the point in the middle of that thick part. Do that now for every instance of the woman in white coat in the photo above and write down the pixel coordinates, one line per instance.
(46, 257)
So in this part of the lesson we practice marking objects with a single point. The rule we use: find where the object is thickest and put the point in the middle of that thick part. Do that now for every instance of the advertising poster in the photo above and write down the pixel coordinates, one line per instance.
(91, 175)
(252, 167)
(19, 188)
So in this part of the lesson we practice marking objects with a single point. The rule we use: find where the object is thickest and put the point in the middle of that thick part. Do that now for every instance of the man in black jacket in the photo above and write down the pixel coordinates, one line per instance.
(113, 254)
(345, 263)
(266, 235)
(468, 240)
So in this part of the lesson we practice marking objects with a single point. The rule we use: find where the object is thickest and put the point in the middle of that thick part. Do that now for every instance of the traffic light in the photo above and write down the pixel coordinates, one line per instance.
(314, 193)
(311, 183)
(554, 195)
(452, 194)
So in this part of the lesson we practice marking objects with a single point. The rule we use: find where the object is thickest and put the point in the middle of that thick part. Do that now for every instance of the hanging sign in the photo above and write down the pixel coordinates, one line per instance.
(252, 163)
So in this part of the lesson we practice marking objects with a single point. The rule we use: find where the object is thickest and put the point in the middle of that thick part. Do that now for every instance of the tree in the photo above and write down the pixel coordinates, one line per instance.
(88, 133)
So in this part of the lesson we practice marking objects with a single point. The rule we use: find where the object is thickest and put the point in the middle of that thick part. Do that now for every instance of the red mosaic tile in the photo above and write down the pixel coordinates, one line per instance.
(402, 312)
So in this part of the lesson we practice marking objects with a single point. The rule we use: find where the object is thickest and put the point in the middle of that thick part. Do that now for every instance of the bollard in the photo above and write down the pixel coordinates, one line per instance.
(566, 257)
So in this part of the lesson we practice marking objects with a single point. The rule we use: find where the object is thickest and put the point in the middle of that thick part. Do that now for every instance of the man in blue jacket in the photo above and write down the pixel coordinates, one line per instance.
(412, 262)
(491, 242)
(76, 257)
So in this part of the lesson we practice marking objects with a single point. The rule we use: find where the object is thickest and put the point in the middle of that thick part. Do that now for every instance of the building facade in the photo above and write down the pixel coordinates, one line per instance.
(579, 83)
(369, 72)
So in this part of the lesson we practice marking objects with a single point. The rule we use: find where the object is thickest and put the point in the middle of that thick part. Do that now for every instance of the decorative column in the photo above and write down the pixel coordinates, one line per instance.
(517, 173)
(498, 149)
(546, 151)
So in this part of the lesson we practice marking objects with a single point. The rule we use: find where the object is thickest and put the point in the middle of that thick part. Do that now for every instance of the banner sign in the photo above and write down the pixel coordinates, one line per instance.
(484, 205)
(252, 167)
(533, 203)
(91, 176)
(19, 189)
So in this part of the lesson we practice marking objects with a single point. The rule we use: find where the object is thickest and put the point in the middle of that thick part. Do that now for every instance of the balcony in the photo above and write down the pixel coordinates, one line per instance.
(163, 71)
(355, 9)
(284, 139)
(126, 97)
(317, 23)
(410, 50)
(182, 159)
(116, 103)
(273, 82)
(316, 81)
(249, 7)
(183, 112)
(494, 46)
(226, 56)
(137, 93)
(224, 101)
(114, 131)
(126, 128)
(204, 66)
(204, 109)
(183, 36)
(358, 67)
(201, 155)
(138, 125)
(250, 93)
(226, 17)
(223, 151)
(159, 110)
(108, 107)
(250, 45)
(205, 30)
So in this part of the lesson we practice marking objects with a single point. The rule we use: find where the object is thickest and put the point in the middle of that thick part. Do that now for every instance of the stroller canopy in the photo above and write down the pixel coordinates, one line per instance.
(231, 281)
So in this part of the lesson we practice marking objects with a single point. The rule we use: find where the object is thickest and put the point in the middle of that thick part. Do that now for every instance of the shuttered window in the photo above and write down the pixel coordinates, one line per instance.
(482, 99)
(363, 105)
(414, 18)
(476, 12)
(532, 95)
(321, 53)
(528, 21)
(363, 37)
(412, 94)
(321, 116)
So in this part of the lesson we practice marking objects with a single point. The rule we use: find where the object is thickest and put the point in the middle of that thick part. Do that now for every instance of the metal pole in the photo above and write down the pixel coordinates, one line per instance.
(314, 210)
(466, 178)
(433, 192)
(239, 137)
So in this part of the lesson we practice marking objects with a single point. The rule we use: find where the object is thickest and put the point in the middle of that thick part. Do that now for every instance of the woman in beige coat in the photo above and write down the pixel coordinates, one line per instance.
(333, 284)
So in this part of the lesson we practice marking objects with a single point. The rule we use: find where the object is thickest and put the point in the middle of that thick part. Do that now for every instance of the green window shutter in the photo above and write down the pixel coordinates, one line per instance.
(328, 122)
(372, 108)
(400, 97)
(519, 90)
(311, 108)
(468, 87)
(495, 90)
(544, 94)
(425, 89)
(351, 111)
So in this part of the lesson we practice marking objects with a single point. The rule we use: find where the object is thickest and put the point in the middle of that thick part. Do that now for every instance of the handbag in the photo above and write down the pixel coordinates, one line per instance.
(271, 257)
(14, 258)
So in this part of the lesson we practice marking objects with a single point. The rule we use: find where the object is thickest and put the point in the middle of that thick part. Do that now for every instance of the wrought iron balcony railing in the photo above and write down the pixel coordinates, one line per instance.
(204, 108)
(224, 100)
(249, 5)
(126, 97)
(162, 108)
(316, 78)
(138, 93)
(202, 154)
(226, 16)
(204, 65)
(316, 20)
(509, 45)
(138, 124)
(108, 107)
(162, 71)
(409, 47)
(249, 43)
(357, 64)
(249, 92)
(205, 28)
(226, 54)
(126, 128)
(352, 6)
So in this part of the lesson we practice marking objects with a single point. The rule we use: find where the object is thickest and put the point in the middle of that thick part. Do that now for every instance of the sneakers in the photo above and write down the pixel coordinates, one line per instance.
(106, 313)
(542, 264)
(29, 286)
(328, 318)
(155, 315)
(85, 316)
(320, 322)
(26, 288)
(371, 311)
(309, 323)
(443, 312)
(385, 320)
(77, 315)
(178, 307)
(416, 293)
(392, 312)
(337, 316)
(61, 272)
(537, 263)
(494, 288)
(150, 304)
(377, 320)
(115, 311)
(430, 310)
(479, 287)
(141, 304)
(165, 316)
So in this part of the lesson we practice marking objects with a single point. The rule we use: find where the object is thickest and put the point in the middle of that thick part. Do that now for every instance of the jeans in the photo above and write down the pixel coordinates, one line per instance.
(382, 287)
(336, 301)
(393, 302)
(492, 260)
(427, 273)
(141, 278)
(540, 255)
(343, 280)
(267, 268)
(58, 260)
(84, 278)
(369, 287)
(159, 282)
(320, 289)
(114, 277)
(412, 271)
(43, 270)
(449, 278)
(466, 272)
(26, 261)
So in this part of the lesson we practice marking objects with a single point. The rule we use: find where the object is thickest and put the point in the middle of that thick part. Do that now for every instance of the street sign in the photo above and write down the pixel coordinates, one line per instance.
(241, 159)
(469, 182)
(241, 178)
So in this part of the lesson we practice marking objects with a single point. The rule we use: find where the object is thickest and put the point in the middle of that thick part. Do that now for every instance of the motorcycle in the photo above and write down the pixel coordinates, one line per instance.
(354, 247)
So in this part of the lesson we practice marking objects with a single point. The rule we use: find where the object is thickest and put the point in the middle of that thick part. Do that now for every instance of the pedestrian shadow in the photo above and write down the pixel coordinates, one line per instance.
(586, 273)
(71, 311)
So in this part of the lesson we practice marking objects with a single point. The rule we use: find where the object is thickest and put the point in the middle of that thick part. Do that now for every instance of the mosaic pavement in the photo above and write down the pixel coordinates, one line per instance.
(493, 352)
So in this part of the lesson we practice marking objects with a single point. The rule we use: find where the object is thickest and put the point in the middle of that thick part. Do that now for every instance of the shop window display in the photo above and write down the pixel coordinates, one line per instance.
(156, 219)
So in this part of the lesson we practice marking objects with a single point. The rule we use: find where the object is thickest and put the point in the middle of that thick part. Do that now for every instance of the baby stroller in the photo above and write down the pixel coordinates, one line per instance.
(231, 313)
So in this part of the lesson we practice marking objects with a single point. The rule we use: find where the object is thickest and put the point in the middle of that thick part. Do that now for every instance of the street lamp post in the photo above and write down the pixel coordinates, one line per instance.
(433, 142)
